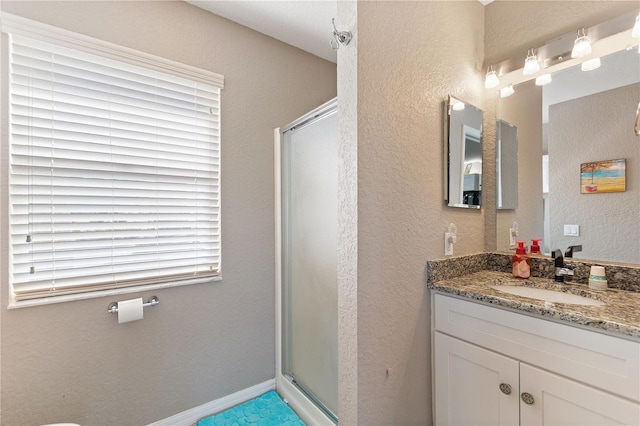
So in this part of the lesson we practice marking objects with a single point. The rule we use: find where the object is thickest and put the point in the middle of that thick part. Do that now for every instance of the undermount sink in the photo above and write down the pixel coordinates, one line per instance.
(547, 295)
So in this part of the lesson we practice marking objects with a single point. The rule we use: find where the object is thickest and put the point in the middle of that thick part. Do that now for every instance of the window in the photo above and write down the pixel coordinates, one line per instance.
(114, 165)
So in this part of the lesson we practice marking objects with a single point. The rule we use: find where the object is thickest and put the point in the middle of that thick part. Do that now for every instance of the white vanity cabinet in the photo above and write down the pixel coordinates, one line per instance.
(467, 384)
(557, 400)
(496, 367)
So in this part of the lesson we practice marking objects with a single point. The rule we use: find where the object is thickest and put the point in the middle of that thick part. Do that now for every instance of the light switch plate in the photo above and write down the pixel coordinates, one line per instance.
(572, 230)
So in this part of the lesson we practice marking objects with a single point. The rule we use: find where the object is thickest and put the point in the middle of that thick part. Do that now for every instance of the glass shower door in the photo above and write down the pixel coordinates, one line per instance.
(310, 303)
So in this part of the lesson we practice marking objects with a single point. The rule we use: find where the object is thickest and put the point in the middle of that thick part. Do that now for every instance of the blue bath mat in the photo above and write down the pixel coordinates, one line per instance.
(266, 410)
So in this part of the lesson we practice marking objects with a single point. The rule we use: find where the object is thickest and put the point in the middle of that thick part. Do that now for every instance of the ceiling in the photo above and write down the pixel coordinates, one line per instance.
(305, 24)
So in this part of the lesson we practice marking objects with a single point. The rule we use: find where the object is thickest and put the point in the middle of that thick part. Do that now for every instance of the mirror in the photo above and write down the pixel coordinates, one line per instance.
(463, 154)
(506, 165)
(580, 117)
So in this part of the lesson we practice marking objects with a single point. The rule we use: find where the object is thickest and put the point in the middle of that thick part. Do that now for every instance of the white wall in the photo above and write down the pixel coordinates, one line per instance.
(72, 362)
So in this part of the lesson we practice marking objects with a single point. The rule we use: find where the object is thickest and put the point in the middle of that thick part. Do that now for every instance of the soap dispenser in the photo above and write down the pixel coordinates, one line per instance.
(535, 246)
(521, 264)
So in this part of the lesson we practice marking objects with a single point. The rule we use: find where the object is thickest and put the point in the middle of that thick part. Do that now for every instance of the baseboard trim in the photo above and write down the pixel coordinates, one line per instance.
(189, 417)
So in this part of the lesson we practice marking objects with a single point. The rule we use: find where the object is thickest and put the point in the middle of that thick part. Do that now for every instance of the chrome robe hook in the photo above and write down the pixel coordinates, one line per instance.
(339, 37)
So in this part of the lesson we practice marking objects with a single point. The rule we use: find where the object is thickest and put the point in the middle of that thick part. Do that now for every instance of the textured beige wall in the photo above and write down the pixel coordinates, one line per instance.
(585, 130)
(72, 361)
(407, 57)
(348, 217)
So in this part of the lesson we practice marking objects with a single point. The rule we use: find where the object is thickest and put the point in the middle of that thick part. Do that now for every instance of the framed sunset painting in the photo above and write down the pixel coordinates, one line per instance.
(603, 176)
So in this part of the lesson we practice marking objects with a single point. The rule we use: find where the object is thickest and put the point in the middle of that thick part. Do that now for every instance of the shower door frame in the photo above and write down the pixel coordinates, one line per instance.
(310, 410)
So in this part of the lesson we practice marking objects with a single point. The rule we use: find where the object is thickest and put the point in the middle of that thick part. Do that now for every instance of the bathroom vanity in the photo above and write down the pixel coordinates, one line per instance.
(500, 359)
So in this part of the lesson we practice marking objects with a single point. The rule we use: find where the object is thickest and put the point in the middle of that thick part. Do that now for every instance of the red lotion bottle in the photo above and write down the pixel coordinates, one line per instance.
(520, 263)
(535, 246)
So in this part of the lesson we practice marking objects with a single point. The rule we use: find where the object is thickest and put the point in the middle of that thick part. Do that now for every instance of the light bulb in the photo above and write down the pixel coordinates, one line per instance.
(505, 92)
(531, 65)
(582, 45)
(457, 106)
(591, 64)
(491, 80)
(543, 79)
(636, 27)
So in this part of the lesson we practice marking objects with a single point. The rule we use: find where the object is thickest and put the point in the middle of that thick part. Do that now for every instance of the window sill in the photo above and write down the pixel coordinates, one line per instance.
(107, 293)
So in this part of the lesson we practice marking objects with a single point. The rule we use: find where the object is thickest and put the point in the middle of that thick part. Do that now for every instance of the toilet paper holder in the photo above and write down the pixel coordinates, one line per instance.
(152, 301)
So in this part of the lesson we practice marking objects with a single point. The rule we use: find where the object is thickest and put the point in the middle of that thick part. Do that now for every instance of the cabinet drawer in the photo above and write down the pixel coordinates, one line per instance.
(603, 361)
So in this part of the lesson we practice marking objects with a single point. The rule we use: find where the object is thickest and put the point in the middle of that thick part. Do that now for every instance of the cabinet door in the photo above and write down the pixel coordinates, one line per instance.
(561, 401)
(468, 385)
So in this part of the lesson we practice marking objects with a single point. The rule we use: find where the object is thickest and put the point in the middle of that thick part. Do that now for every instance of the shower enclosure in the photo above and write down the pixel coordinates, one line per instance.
(307, 303)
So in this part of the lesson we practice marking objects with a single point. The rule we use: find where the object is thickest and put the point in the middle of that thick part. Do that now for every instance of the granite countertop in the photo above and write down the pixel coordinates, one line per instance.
(619, 316)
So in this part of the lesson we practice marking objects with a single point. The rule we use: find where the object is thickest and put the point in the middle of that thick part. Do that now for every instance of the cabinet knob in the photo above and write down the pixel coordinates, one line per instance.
(505, 388)
(527, 398)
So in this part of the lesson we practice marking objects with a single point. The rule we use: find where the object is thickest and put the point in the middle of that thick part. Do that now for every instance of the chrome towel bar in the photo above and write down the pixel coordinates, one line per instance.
(152, 301)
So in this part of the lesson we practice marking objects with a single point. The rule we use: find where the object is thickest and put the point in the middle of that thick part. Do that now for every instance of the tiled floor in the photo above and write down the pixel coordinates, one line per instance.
(266, 410)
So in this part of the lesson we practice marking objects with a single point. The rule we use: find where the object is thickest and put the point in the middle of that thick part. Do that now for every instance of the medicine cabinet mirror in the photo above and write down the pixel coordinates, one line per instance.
(462, 154)
(506, 165)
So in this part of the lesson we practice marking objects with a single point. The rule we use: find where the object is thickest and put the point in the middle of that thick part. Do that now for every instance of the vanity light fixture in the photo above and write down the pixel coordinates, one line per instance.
(531, 65)
(505, 92)
(591, 64)
(543, 79)
(491, 80)
(636, 27)
(582, 45)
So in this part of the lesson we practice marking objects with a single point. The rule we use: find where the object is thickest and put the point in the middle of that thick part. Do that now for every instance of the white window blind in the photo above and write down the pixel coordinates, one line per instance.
(114, 173)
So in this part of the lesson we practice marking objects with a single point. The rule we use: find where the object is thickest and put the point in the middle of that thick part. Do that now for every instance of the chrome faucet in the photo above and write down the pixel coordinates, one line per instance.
(560, 270)
(572, 249)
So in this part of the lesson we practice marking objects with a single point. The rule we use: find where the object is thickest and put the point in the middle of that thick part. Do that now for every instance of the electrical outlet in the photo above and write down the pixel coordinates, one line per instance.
(448, 245)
